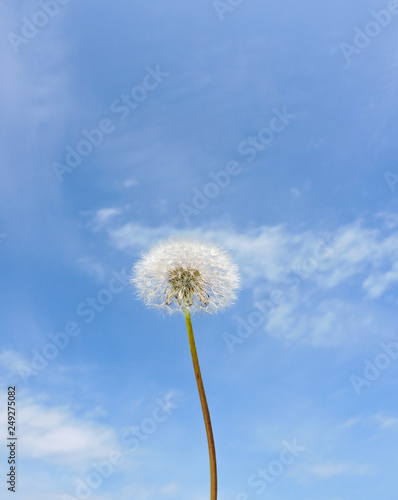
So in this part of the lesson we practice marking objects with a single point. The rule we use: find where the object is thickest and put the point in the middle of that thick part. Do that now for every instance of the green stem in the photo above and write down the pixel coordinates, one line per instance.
(205, 409)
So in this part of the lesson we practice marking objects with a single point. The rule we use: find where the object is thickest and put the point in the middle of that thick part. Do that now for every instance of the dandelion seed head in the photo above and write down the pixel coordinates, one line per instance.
(179, 273)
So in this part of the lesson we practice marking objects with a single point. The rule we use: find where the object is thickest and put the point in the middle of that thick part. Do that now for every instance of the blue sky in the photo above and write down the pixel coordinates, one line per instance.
(266, 127)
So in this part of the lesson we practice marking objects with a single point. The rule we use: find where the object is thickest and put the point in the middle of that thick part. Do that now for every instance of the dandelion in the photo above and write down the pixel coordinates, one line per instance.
(182, 275)
(179, 274)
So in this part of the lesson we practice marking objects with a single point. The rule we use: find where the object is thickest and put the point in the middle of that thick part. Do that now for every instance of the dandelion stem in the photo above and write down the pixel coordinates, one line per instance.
(205, 409)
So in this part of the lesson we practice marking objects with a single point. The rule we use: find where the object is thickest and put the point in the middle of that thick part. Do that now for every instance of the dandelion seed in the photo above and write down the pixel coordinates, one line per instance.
(181, 273)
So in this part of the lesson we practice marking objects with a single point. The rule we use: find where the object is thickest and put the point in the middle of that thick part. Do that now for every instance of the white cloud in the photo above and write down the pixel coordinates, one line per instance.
(264, 252)
(136, 236)
(271, 253)
(351, 422)
(377, 283)
(104, 215)
(167, 490)
(10, 361)
(334, 469)
(362, 251)
(61, 446)
(92, 267)
(55, 434)
(385, 422)
(295, 192)
(130, 183)
(355, 256)
(379, 420)
(319, 322)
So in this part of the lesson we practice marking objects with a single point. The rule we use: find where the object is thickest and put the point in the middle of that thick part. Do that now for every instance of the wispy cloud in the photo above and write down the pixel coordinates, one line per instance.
(56, 435)
(10, 360)
(310, 268)
(92, 267)
(329, 470)
(271, 252)
(380, 421)
(320, 322)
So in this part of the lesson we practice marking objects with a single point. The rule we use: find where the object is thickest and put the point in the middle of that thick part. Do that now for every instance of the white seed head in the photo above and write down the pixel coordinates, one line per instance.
(178, 273)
